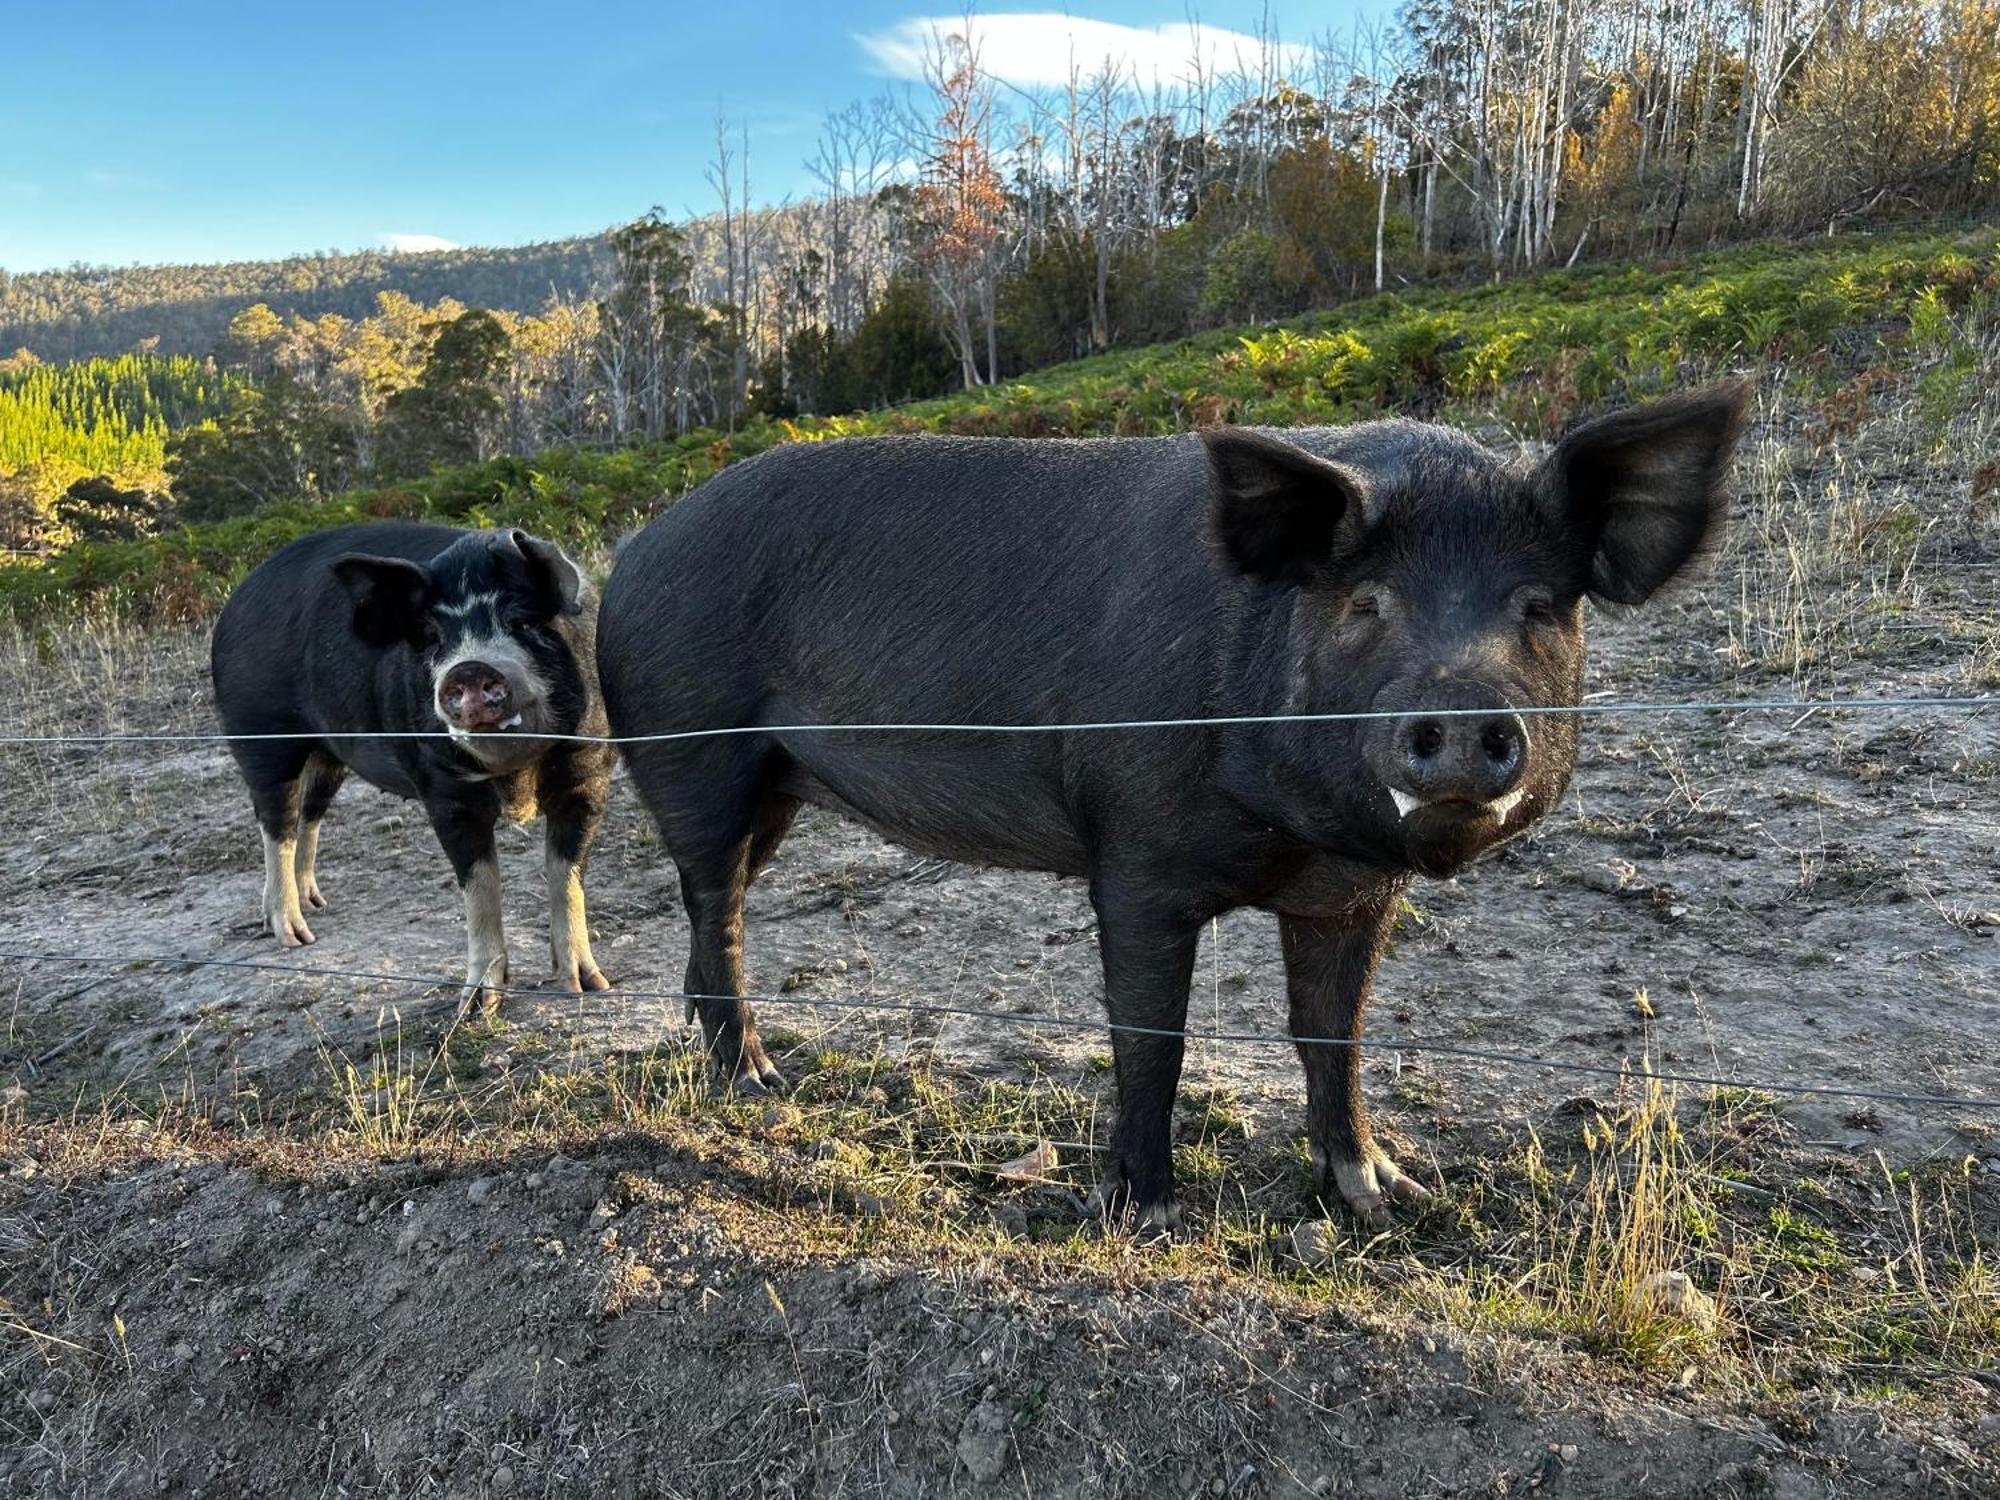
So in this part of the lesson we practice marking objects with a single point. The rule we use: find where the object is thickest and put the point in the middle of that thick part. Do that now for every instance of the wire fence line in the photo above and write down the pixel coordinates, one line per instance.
(1974, 703)
(418, 983)
(1803, 707)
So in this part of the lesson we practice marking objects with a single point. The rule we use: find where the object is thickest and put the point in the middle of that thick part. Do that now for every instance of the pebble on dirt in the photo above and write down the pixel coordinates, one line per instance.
(1314, 1244)
(984, 1443)
(1672, 1295)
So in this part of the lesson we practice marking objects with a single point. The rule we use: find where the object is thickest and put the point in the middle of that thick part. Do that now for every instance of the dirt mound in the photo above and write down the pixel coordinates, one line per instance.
(643, 1320)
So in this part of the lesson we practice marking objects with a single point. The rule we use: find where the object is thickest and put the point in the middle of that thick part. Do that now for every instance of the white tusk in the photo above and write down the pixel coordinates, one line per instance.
(1504, 805)
(511, 723)
(1405, 803)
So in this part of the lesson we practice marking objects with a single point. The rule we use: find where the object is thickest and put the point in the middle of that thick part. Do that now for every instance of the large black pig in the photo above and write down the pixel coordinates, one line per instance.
(1394, 568)
(481, 642)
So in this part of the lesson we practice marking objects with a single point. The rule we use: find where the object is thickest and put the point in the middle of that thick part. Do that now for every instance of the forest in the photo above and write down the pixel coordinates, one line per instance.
(969, 231)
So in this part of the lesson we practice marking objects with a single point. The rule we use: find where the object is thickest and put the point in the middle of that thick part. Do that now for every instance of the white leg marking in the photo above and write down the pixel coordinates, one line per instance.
(308, 855)
(485, 942)
(281, 893)
(569, 931)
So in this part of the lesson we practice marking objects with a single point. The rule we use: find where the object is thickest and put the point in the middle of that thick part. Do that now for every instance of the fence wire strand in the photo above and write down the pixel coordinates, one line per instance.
(1803, 707)
(418, 983)
(1969, 704)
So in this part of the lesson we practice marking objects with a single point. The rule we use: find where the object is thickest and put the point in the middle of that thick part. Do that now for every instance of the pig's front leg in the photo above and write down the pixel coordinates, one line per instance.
(572, 795)
(464, 825)
(1329, 964)
(1148, 966)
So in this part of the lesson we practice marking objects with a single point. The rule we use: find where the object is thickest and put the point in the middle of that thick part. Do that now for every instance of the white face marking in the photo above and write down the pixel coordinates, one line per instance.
(504, 654)
(470, 603)
(1405, 803)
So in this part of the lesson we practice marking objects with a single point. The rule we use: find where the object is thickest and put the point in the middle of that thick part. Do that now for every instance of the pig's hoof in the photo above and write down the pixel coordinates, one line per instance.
(1370, 1185)
(1111, 1200)
(576, 981)
(480, 999)
(290, 929)
(478, 1004)
(754, 1077)
(309, 893)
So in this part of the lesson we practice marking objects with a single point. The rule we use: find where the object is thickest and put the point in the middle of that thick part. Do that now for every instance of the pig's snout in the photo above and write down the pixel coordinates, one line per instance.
(1464, 758)
(1460, 747)
(475, 696)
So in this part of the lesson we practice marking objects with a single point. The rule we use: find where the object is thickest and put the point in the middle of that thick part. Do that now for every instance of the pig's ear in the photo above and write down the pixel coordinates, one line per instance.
(389, 594)
(1279, 512)
(1642, 490)
(560, 579)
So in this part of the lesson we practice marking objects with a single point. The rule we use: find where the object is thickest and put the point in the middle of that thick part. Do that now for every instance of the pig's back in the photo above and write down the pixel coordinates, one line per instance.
(943, 579)
(286, 634)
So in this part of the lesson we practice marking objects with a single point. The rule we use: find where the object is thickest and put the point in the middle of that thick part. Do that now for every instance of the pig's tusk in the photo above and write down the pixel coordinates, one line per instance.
(1405, 803)
(1504, 805)
(511, 723)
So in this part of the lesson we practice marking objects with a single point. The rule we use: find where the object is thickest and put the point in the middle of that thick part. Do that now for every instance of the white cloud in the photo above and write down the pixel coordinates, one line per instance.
(405, 243)
(1038, 48)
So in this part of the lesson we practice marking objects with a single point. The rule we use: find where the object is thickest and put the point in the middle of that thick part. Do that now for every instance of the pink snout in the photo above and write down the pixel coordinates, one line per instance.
(476, 697)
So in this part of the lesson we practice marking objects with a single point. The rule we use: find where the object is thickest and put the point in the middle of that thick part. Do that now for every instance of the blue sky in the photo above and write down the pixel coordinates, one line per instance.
(197, 130)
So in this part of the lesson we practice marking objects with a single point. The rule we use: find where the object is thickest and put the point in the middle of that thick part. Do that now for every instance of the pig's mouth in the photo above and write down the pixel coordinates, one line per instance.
(1457, 809)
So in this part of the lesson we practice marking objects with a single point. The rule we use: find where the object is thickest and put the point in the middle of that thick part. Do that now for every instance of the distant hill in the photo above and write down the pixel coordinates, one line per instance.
(90, 311)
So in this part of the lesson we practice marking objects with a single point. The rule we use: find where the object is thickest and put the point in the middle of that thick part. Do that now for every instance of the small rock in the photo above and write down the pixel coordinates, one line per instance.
(1567, 1453)
(1313, 1244)
(984, 1445)
(1611, 877)
(480, 1191)
(839, 966)
(503, 1479)
(1672, 1295)
(389, 823)
(183, 1352)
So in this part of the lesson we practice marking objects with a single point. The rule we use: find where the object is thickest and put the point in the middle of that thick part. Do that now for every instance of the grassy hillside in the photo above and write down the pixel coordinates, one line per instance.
(90, 311)
(1531, 354)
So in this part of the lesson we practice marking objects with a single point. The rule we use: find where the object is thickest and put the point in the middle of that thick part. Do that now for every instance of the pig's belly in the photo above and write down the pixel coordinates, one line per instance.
(989, 804)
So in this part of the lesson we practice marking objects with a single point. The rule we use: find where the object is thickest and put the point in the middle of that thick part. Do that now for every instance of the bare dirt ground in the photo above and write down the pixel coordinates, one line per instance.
(267, 1233)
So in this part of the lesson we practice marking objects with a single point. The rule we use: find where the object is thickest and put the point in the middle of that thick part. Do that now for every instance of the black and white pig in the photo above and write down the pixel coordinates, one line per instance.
(1394, 568)
(483, 642)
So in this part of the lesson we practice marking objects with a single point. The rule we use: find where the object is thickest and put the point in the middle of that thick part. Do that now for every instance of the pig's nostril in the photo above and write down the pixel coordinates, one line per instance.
(1501, 743)
(1427, 740)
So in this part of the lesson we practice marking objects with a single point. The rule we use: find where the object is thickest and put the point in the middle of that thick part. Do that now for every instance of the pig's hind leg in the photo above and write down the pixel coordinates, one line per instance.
(323, 776)
(274, 772)
(721, 816)
(1329, 965)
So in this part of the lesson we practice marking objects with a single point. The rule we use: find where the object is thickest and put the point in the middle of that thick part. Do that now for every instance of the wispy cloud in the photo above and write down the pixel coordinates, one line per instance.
(410, 242)
(1031, 49)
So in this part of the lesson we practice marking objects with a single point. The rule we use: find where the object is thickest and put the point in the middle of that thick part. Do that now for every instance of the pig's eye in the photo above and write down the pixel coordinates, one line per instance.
(1538, 606)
